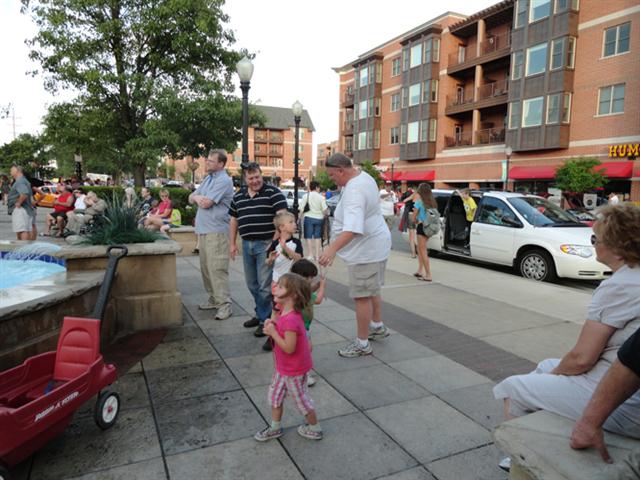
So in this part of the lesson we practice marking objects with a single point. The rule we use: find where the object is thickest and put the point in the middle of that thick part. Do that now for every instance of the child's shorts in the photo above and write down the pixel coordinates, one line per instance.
(297, 389)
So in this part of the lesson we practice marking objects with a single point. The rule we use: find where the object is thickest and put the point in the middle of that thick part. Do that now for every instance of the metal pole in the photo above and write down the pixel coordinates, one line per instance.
(244, 86)
(506, 180)
(296, 119)
(393, 185)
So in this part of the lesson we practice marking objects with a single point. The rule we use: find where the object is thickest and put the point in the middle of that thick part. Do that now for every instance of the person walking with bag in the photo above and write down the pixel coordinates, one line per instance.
(427, 219)
(314, 208)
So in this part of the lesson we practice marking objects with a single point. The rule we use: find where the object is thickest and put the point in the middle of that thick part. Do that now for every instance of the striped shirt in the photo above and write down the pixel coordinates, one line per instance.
(255, 214)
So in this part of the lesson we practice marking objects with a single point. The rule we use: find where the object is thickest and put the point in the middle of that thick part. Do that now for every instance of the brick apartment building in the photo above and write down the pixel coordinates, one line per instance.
(324, 151)
(551, 79)
(272, 146)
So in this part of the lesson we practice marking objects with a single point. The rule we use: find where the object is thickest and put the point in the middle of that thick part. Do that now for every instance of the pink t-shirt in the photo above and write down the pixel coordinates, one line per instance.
(299, 362)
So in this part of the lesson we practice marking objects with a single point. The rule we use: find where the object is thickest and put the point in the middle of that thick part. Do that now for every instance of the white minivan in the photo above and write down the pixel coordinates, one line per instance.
(539, 239)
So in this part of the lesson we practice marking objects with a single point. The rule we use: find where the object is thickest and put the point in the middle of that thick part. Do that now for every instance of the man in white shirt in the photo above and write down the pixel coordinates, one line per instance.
(363, 241)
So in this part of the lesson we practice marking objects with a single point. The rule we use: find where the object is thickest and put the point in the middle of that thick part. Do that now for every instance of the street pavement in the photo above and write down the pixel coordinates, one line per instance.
(420, 407)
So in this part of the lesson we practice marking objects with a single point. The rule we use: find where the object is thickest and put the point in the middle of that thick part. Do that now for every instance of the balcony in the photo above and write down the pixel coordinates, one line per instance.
(488, 95)
(348, 100)
(275, 150)
(276, 137)
(459, 139)
(461, 102)
(260, 136)
(347, 128)
(489, 136)
(348, 152)
(492, 48)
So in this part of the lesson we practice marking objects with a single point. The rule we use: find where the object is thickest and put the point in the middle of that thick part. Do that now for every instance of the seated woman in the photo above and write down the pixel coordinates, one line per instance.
(161, 215)
(564, 386)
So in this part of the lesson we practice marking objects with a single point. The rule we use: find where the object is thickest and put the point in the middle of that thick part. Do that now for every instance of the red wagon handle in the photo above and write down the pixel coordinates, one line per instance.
(114, 254)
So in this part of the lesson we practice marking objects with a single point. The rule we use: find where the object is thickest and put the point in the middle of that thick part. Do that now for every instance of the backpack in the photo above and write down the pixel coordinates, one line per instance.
(431, 224)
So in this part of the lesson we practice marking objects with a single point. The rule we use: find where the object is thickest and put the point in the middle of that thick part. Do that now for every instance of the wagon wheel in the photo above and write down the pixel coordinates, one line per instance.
(107, 409)
(4, 473)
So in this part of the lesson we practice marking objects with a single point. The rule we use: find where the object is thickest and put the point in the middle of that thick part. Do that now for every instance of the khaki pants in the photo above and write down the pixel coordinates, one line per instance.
(214, 266)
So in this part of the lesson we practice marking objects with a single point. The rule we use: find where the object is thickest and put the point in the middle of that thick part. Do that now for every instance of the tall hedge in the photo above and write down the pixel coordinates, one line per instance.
(179, 198)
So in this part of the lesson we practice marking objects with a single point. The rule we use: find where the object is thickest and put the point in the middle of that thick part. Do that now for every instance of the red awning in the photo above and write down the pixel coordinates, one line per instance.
(616, 169)
(386, 176)
(532, 173)
(419, 176)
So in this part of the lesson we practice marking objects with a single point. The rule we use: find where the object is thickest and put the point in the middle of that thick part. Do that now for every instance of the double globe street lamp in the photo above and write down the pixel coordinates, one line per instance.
(297, 115)
(245, 71)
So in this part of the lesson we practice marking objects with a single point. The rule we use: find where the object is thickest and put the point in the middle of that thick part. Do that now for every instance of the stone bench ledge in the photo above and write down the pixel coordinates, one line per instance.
(183, 229)
(539, 448)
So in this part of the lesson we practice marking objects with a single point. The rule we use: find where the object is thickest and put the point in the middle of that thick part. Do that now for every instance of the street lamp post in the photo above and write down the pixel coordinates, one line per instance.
(393, 185)
(507, 151)
(245, 71)
(297, 114)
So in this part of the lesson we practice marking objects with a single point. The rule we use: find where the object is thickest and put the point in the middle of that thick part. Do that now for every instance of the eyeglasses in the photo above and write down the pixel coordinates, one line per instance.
(595, 241)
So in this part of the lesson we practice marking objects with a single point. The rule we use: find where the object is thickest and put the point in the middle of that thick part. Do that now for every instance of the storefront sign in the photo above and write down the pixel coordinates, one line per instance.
(628, 150)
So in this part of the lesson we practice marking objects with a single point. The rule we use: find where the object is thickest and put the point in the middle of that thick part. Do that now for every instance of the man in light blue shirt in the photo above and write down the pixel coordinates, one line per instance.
(213, 198)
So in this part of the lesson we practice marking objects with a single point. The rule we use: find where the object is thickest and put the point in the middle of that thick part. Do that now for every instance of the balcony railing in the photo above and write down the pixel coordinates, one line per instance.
(495, 89)
(347, 128)
(461, 98)
(348, 99)
(458, 140)
(275, 150)
(260, 136)
(489, 136)
(276, 138)
(490, 45)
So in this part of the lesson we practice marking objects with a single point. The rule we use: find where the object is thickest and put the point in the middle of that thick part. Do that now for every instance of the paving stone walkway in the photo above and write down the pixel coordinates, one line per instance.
(191, 407)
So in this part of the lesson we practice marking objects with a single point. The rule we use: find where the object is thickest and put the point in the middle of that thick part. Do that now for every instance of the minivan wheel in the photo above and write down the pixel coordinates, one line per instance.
(537, 265)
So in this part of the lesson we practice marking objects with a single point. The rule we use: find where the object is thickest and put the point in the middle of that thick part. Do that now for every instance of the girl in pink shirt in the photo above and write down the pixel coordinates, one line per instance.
(292, 358)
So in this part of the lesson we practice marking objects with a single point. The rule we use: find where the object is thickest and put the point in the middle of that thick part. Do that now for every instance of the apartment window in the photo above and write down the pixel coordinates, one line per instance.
(403, 133)
(521, 14)
(616, 40)
(395, 67)
(376, 139)
(370, 139)
(514, 114)
(532, 112)
(427, 50)
(370, 111)
(413, 131)
(435, 54)
(566, 109)
(378, 72)
(394, 135)
(377, 107)
(405, 97)
(536, 59)
(539, 9)
(432, 129)
(571, 52)
(395, 102)
(553, 108)
(414, 94)
(424, 125)
(517, 61)
(556, 53)
(434, 90)
(611, 99)
(405, 59)
(562, 5)
(364, 76)
(362, 110)
(426, 88)
(416, 55)
(362, 141)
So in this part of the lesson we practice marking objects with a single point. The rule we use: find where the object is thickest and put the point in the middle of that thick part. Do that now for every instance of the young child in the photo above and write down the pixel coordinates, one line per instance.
(307, 270)
(292, 359)
(285, 249)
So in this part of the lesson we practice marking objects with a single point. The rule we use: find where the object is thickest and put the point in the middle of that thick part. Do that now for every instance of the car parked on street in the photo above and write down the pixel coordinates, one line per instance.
(46, 196)
(534, 236)
(288, 194)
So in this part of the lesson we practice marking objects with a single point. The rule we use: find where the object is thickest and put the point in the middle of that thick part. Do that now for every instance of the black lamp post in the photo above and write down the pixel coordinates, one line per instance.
(78, 161)
(245, 71)
(507, 151)
(297, 114)
(393, 181)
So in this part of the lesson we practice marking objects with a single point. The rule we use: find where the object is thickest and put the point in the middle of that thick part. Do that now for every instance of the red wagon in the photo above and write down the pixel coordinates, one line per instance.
(39, 397)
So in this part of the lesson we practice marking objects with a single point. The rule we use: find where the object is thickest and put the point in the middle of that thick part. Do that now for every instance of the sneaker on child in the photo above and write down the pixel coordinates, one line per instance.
(268, 434)
(307, 431)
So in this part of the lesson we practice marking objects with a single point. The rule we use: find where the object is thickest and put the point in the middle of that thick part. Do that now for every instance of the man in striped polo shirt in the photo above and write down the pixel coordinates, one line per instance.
(252, 211)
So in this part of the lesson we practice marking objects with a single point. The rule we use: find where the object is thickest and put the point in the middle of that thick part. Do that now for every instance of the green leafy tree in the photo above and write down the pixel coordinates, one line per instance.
(369, 167)
(579, 175)
(324, 180)
(26, 150)
(151, 71)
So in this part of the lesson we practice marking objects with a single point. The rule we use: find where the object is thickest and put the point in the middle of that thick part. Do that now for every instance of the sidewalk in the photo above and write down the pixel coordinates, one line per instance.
(191, 407)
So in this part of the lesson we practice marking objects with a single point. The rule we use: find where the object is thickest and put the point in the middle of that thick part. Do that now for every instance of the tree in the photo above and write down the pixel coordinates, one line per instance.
(578, 175)
(151, 72)
(28, 151)
(367, 166)
(324, 180)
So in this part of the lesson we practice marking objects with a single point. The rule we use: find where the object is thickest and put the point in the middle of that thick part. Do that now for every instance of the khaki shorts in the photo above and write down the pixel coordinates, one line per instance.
(21, 221)
(366, 279)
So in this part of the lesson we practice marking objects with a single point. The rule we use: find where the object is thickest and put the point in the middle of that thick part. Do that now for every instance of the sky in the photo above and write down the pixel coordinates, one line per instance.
(296, 45)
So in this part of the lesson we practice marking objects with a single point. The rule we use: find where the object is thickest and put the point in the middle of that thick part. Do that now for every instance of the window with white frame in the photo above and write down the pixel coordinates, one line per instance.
(370, 111)
(414, 94)
(514, 115)
(405, 59)
(362, 141)
(413, 132)
(403, 133)
(428, 44)
(426, 89)
(364, 76)
(517, 62)
(363, 109)
(520, 18)
(378, 72)
(395, 102)
(394, 135)
(536, 59)
(434, 90)
(539, 9)
(611, 99)
(405, 97)
(566, 108)
(395, 67)
(616, 40)
(435, 54)
(563, 5)
(416, 55)
(557, 47)
(553, 108)
(532, 112)
(370, 139)
(571, 52)
(424, 126)
(432, 129)
(376, 139)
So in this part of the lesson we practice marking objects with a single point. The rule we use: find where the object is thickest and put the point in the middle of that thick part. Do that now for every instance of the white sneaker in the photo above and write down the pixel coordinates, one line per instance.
(311, 381)
(224, 312)
(505, 464)
(355, 350)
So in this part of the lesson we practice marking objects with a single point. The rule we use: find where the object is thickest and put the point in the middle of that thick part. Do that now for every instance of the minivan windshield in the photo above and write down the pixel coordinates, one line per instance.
(542, 213)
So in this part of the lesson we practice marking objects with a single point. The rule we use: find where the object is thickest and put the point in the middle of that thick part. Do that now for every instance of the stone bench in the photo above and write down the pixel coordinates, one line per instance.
(539, 448)
(186, 237)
